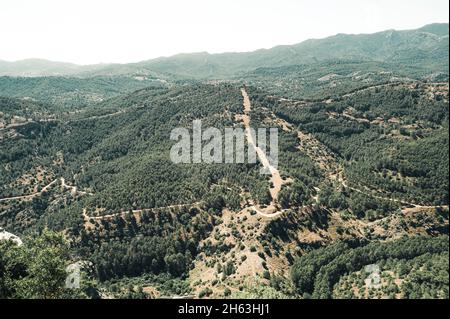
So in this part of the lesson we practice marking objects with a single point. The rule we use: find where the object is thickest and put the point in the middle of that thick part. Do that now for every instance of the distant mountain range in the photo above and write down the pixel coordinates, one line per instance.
(426, 47)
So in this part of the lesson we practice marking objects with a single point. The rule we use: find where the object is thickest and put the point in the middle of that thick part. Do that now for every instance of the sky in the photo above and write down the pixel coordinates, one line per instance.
(106, 31)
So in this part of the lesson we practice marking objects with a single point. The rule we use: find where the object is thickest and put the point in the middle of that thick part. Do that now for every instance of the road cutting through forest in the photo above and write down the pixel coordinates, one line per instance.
(334, 170)
(275, 178)
(44, 189)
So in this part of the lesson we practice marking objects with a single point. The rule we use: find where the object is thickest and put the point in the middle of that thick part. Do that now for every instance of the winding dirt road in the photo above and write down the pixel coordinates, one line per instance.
(334, 170)
(44, 189)
(73, 189)
(30, 196)
(136, 211)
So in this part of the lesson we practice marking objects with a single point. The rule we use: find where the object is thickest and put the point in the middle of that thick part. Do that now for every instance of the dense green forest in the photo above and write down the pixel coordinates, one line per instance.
(393, 139)
(86, 176)
(129, 169)
(323, 80)
(316, 274)
(70, 92)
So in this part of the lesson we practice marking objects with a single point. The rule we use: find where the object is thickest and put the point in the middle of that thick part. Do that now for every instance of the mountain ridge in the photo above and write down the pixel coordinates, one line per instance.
(371, 47)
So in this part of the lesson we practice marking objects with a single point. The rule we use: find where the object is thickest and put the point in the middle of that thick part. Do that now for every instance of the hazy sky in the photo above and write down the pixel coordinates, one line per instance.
(92, 31)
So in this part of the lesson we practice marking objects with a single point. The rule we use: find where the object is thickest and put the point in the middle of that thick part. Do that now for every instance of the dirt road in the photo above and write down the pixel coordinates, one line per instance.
(44, 189)
(30, 196)
(276, 179)
(333, 169)
(136, 211)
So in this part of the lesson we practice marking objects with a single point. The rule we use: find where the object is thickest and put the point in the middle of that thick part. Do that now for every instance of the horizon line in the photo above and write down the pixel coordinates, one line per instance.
(213, 53)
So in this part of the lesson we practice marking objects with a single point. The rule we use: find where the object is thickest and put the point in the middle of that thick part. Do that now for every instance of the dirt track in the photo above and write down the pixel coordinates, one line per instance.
(74, 189)
(276, 179)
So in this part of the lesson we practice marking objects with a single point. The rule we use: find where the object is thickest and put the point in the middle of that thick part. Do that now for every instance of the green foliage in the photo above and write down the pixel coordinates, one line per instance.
(374, 152)
(304, 270)
(259, 291)
(319, 271)
(36, 269)
(70, 92)
(371, 100)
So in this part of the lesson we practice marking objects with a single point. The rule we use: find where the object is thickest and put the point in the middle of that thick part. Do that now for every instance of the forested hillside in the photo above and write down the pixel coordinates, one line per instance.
(411, 268)
(357, 207)
(70, 92)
